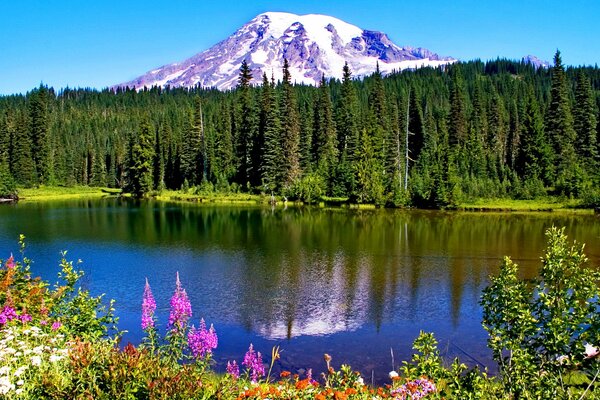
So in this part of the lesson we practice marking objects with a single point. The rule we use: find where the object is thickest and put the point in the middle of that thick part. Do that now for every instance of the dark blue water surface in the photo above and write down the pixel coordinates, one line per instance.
(355, 284)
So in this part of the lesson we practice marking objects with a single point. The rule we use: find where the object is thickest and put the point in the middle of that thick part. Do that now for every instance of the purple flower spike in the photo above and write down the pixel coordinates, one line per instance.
(253, 363)
(202, 341)
(233, 369)
(148, 308)
(181, 309)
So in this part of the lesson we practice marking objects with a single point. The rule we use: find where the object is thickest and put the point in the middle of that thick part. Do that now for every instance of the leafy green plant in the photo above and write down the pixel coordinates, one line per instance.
(539, 329)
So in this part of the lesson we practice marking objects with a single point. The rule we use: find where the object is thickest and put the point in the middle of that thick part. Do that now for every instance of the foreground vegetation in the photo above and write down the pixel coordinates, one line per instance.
(432, 138)
(60, 342)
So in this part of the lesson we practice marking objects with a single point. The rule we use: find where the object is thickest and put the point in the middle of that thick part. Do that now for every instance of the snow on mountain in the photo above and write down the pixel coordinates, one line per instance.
(536, 62)
(313, 45)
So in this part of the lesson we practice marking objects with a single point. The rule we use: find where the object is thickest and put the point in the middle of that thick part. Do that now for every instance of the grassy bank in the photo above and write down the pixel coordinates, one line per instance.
(547, 204)
(48, 193)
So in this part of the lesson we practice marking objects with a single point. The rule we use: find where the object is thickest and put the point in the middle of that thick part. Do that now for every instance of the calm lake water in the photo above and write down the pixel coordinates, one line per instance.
(354, 284)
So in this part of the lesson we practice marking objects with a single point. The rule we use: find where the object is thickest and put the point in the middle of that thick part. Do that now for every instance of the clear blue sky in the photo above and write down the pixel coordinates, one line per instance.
(87, 43)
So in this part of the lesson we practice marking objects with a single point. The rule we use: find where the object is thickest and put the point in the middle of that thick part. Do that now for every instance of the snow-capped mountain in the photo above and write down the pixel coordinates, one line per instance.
(536, 62)
(313, 45)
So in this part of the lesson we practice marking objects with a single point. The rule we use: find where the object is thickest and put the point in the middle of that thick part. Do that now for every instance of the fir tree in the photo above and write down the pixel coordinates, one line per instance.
(248, 157)
(38, 116)
(324, 143)
(290, 122)
(272, 167)
(142, 155)
(457, 131)
(585, 123)
(559, 121)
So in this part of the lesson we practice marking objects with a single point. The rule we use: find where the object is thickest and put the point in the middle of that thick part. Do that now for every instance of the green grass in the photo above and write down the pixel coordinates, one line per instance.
(547, 204)
(47, 193)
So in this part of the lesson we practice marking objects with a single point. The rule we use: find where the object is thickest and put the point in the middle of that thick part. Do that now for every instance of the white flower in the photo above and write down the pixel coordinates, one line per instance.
(20, 370)
(20, 382)
(38, 349)
(590, 351)
(4, 370)
(360, 380)
(55, 358)
(18, 391)
(562, 359)
(36, 361)
(393, 374)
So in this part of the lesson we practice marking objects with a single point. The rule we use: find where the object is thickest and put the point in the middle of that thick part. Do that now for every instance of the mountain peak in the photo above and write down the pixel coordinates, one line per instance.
(313, 44)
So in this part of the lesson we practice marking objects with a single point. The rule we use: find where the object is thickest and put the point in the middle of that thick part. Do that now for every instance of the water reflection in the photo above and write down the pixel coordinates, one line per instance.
(348, 282)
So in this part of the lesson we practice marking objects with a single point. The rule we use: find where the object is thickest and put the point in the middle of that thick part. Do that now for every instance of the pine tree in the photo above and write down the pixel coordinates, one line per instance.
(142, 155)
(559, 121)
(190, 148)
(225, 164)
(534, 158)
(246, 131)
(585, 123)
(38, 115)
(290, 122)
(271, 171)
(21, 164)
(324, 143)
(347, 118)
(457, 126)
(158, 169)
(416, 137)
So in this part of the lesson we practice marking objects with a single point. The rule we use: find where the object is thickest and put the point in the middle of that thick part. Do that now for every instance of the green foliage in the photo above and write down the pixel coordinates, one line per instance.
(8, 186)
(538, 328)
(308, 189)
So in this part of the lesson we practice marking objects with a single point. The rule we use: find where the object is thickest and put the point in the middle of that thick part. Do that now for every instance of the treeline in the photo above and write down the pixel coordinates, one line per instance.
(429, 137)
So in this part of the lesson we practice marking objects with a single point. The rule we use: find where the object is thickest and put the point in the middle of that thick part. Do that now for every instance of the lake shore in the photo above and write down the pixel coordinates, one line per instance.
(51, 193)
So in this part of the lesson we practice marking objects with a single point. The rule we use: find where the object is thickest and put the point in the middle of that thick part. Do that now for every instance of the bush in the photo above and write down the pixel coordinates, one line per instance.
(541, 330)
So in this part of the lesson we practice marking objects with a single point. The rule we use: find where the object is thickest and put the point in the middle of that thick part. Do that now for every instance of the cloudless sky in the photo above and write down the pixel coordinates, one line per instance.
(87, 43)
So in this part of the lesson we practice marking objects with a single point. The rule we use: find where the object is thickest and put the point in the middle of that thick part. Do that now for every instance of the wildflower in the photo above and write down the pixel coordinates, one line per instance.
(20, 382)
(36, 361)
(43, 322)
(4, 370)
(360, 380)
(24, 318)
(393, 375)
(202, 341)
(181, 309)
(8, 314)
(54, 358)
(148, 308)
(591, 351)
(56, 325)
(20, 371)
(253, 363)
(233, 369)
(10, 263)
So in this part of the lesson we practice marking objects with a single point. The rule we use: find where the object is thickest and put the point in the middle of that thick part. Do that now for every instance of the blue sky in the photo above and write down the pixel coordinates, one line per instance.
(86, 43)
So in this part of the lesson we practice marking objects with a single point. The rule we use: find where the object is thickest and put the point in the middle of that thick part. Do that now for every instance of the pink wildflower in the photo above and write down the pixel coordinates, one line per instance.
(8, 314)
(10, 263)
(202, 341)
(181, 309)
(148, 308)
(56, 325)
(233, 369)
(253, 363)
(24, 318)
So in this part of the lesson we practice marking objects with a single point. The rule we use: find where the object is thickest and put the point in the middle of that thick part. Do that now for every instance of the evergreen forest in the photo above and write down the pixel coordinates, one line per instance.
(431, 137)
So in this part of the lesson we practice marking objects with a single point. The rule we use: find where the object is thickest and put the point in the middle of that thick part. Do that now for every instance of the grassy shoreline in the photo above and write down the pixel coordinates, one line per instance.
(50, 193)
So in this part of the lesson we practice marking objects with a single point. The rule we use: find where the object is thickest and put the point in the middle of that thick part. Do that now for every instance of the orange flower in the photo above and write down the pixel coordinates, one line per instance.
(351, 391)
(320, 396)
(339, 396)
(285, 374)
(303, 384)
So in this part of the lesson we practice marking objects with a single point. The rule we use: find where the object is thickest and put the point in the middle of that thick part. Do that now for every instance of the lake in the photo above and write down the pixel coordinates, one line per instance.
(356, 284)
